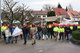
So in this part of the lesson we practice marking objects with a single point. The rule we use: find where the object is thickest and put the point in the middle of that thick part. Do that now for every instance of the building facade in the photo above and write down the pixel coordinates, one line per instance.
(74, 15)
(40, 14)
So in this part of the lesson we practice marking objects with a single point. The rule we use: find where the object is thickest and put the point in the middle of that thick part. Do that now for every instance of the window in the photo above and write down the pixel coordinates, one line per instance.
(44, 16)
(75, 15)
(39, 16)
(35, 16)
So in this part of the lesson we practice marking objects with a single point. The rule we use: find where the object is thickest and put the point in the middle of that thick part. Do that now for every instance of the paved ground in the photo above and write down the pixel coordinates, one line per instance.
(42, 46)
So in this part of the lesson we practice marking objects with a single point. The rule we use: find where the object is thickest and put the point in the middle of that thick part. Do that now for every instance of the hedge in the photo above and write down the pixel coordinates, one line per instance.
(76, 34)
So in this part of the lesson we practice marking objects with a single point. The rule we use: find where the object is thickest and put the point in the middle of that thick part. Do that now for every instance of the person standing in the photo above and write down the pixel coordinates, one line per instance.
(25, 31)
(71, 29)
(39, 32)
(7, 34)
(44, 32)
(33, 31)
(67, 31)
(10, 30)
(49, 29)
(74, 27)
(14, 37)
(3, 28)
(61, 35)
(52, 32)
(20, 26)
(55, 29)
(64, 31)
(28, 32)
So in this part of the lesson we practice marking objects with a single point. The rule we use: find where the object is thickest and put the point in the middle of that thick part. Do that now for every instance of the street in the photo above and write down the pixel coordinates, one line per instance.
(42, 46)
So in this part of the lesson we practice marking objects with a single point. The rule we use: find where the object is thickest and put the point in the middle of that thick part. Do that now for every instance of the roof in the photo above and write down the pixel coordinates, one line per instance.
(60, 11)
(39, 12)
(51, 19)
(73, 13)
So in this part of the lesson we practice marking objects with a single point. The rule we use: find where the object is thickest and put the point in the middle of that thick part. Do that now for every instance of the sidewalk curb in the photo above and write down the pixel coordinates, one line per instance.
(75, 41)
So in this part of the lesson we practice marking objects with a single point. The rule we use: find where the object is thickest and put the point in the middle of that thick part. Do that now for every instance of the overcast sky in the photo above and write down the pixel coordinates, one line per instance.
(38, 4)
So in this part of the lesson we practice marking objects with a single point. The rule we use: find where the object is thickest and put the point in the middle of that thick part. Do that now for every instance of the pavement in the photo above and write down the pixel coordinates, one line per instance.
(42, 46)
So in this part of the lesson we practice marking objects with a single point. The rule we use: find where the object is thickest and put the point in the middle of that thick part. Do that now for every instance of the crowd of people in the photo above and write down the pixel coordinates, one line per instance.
(40, 32)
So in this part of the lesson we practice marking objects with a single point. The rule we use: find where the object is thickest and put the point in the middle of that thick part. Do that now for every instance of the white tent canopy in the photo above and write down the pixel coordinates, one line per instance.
(65, 21)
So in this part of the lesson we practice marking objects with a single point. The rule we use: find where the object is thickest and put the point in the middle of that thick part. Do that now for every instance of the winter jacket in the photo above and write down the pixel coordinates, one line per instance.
(7, 33)
(44, 31)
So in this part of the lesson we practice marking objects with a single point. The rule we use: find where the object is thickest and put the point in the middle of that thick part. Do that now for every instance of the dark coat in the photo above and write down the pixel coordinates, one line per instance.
(44, 31)
(67, 29)
(24, 29)
(74, 28)
(39, 29)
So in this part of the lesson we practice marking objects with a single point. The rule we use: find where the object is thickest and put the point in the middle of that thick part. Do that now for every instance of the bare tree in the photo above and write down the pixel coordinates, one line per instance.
(23, 14)
(8, 8)
(48, 7)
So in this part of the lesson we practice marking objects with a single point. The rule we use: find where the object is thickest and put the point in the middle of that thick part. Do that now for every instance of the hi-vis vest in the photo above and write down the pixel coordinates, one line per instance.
(49, 26)
(71, 27)
(61, 30)
(3, 28)
(78, 27)
(30, 25)
(55, 29)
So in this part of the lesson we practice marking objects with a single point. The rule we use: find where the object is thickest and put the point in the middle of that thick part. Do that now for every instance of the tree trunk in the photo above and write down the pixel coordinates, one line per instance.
(12, 18)
(22, 23)
(11, 23)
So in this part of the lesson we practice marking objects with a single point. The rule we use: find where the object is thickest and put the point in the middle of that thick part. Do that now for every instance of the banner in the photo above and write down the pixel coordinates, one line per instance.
(65, 22)
(17, 32)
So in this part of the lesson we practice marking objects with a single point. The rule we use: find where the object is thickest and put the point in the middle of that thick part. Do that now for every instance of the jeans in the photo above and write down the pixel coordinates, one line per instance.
(45, 36)
(28, 36)
(71, 32)
(7, 40)
(55, 35)
(39, 36)
(61, 35)
(52, 34)
(3, 33)
(67, 36)
(15, 39)
(36, 36)
(25, 38)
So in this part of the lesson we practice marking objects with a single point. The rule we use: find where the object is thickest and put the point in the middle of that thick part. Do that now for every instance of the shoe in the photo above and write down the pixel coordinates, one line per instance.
(42, 39)
(6, 43)
(12, 42)
(24, 43)
(47, 39)
(33, 43)
(67, 39)
(15, 42)
(59, 39)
